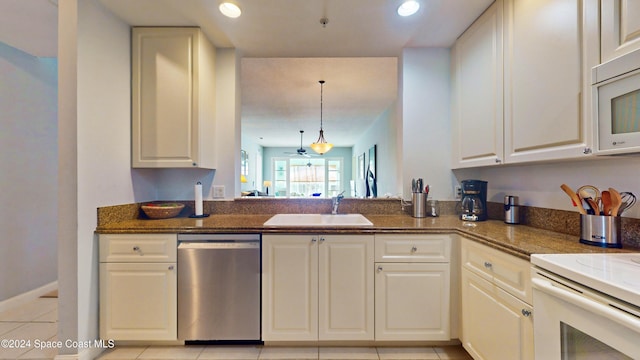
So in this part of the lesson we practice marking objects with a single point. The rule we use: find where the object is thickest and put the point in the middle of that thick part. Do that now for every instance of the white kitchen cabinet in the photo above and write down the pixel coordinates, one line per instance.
(173, 98)
(619, 28)
(138, 287)
(317, 287)
(477, 62)
(522, 83)
(496, 325)
(549, 52)
(412, 287)
(497, 318)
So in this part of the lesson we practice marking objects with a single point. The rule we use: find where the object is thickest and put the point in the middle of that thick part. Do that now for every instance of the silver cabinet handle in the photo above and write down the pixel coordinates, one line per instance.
(526, 312)
(321, 238)
(379, 268)
(171, 267)
(488, 265)
(314, 239)
(136, 248)
(414, 249)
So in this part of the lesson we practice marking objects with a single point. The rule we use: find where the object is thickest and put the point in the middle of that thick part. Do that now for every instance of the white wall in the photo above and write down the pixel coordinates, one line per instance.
(382, 134)
(539, 184)
(426, 129)
(94, 153)
(228, 109)
(28, 171)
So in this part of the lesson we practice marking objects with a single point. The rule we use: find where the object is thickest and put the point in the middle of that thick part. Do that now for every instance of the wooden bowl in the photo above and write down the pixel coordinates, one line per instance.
(162, 210)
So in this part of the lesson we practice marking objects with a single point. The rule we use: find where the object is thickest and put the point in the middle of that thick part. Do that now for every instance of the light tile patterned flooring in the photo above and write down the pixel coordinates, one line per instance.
(283, 353)
(38, 320)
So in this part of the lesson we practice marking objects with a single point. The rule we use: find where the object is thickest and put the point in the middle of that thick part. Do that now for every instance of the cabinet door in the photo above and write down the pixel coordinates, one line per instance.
(138, 301)
(412, 301)
(495, 325)
(548, 59)
(620, 28)
(346, 283)
(164, 91)
(289, 287)
(478, 92)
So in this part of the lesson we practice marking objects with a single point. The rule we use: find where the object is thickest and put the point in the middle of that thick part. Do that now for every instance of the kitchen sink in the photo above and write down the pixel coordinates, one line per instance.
(318, 220)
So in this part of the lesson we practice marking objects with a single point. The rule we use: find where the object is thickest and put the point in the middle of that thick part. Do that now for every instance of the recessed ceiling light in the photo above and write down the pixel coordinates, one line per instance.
(230, 10)
(408, 8)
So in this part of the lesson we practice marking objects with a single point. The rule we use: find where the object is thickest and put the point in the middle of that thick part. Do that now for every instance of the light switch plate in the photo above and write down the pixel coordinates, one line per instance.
(218, 191)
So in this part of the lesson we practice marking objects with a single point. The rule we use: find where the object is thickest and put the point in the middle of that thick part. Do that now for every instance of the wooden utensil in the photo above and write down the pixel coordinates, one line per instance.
(616, 201)
(606, 202)
(574, 197)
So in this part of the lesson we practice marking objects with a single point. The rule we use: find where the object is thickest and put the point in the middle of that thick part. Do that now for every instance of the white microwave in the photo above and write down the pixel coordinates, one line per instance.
(616, 96)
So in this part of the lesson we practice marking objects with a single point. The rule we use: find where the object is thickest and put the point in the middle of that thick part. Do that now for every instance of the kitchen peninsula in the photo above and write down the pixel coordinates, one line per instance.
(387, 216)
(448, 274)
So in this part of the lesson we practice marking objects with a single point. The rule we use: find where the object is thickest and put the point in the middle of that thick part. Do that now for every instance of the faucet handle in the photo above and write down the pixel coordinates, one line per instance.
(341, 195)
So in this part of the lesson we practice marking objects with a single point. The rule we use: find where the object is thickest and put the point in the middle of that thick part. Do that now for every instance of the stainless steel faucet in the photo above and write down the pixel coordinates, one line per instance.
(335, 202)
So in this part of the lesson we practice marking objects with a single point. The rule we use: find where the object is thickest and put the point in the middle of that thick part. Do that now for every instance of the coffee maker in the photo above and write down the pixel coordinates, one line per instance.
(474, 200)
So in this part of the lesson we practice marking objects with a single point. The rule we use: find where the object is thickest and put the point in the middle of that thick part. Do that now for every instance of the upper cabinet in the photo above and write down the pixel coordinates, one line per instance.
(620, 28)
(522, 83)
(548, 59)
(173, 98)
(478, 92)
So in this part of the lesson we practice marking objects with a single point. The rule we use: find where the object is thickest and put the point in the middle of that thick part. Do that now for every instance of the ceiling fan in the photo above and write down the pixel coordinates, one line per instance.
(301, 151)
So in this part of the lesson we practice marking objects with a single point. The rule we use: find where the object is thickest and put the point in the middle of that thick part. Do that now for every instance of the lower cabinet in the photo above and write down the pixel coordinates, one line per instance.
(138, 287)
(496, 321)
(412, 301)
(317, 287)
(412, 287)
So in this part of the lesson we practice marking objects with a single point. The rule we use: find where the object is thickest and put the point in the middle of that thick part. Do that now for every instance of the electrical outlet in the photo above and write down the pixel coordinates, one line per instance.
(458, 192)
(218, 191)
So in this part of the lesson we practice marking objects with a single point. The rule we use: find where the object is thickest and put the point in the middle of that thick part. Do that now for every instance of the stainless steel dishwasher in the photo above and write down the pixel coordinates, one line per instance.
(219, 288)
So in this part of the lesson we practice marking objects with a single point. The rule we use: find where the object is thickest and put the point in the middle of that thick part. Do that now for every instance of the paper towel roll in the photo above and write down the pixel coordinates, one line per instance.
(198, 191)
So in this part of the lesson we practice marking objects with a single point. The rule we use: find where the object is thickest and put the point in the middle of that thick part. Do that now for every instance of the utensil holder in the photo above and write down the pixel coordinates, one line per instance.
(419, 201)
(599, 230)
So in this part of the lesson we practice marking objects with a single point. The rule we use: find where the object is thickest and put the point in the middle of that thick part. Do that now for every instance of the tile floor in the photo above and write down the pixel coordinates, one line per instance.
(282, 353)
(37, 320)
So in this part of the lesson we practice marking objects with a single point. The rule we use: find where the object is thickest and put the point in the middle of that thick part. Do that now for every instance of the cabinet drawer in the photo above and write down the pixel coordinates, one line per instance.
(138, 247)
(510, 273)
(413, 248)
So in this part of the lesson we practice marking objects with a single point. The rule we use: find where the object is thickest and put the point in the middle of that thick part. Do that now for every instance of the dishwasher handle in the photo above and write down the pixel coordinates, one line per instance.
(219, 245)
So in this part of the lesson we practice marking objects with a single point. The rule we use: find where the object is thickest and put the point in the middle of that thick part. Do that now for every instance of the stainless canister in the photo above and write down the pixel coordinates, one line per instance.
(419, 201)
(599, 230)
(511, 210)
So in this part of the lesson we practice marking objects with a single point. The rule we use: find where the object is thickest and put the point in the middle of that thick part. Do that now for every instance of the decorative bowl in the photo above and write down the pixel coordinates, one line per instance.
(162, 210)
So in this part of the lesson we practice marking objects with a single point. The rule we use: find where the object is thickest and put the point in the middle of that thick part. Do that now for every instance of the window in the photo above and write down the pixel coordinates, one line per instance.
(307, 177)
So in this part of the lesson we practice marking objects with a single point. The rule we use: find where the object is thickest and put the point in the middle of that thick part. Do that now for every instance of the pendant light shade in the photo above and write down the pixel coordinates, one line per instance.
(321, 146)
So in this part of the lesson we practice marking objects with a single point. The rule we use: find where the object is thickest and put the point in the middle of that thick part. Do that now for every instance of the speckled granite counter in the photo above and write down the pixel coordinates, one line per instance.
(518, 240)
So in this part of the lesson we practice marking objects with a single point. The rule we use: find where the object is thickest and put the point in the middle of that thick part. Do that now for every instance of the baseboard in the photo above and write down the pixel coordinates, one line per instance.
(31, 295)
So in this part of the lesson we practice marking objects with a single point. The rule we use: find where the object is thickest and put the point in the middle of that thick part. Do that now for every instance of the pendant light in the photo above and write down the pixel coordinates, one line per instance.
(321, 146)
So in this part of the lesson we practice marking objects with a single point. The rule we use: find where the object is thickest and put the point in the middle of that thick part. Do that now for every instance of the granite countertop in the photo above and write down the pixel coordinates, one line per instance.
(518, 240)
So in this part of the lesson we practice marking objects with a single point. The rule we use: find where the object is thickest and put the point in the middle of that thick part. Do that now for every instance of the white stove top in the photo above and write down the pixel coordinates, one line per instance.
(617, 275)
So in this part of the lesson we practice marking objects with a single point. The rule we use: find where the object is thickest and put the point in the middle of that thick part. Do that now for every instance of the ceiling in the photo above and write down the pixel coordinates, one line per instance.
(278, 40)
